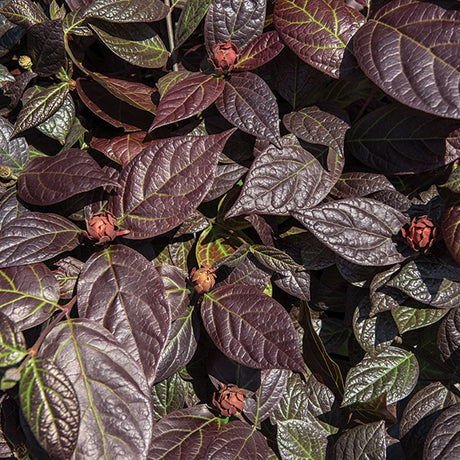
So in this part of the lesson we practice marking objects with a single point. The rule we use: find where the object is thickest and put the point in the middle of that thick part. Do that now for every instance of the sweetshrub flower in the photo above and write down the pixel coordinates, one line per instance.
(230, 400)
(103, 227)
(203, 279)
(421, 234)
(224, 56)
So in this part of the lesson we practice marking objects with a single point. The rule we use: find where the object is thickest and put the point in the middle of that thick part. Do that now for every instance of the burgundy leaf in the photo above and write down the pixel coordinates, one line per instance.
(165, 183)
(122, 291)
(449, 339)
(360, 230)
(280, 182)
(49, 180)
(248, 103)
(115, 401)
(111, 109)
(121, 149)
(356, 184)
(259, 51)
(451, 231)
(133, 93)
(127, 10)
(29, 294)
(67, 275)
(226, 177)
(188, 97)
(237, 317)
(45, 45)
(181, 346)
(177, 294)
(403, 52)
(186, 432)
(35, 237)
(237, 440)
(443, 440)
(296, 284)
(239, 21)
(263, 228)
(394, 140)
(319, 32)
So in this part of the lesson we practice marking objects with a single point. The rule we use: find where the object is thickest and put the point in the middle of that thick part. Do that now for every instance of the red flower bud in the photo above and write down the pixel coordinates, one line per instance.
(224, 56)
(203, 279)
(229, 400)
(103, 227)
(421, 234)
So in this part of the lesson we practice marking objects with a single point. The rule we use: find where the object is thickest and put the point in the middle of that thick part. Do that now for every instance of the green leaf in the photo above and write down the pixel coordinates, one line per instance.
(412, 315)
(13, 347)
(393, 371)
(44, 103)
(168, 396)
(191, 15)
(50, 406)
(138, 44)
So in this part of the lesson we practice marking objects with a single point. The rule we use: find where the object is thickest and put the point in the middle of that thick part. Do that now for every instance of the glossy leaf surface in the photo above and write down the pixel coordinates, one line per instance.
(165, 183)
(120, 11)
(115, 405)
(12, 343)
(237, 316)
(50, 180)
(133, 306)
(14, 153)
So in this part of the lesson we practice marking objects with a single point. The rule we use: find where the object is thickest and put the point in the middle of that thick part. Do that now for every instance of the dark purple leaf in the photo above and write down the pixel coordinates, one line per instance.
(168, 396)
(133, 93)
(226, 177)
(239, 21)
(363, 441)
(397, 47)
(259, 51)
(75, 4)
(181, 346)
(67, 275)
(451, 231)
(43, 103)
(393, 371)
(374, 334)
(10, 207)
(14, 89)
(360, 230)
(250, 272)
(317, 359)
(45, 45)
(194, 223)
(188, 97)
(111, 109)
(264, 228)
(49, 180)
(120, 11)
(177, 294)
(357, 184)
(419, 415)
(296, 284)
(430, 281)
(165, 183)
(319, 34)
(186, 432)
(238, 316)
(449, 338)
(394, 140)
(300, 440)
(13, 347)
(261, 404)
(24, 13)
(248, 103)
(50, 406)
(190, 17)
(443, 440)
(35, 237)
(280, 182)
(358, 275)
(122, 291)
(237, 440)
(137, 43)
(121, 149)
(29, 294)
(115, 401)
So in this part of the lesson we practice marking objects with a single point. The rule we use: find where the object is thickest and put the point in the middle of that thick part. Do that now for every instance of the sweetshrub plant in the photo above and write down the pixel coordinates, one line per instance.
(230, 229)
